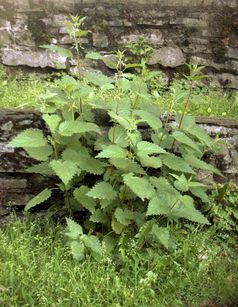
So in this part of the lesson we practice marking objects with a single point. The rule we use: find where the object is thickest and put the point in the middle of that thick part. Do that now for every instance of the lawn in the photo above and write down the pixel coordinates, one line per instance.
(37, 270)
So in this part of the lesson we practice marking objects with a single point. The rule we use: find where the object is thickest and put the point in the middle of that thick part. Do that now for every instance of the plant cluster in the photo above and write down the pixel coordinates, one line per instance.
(117, 181)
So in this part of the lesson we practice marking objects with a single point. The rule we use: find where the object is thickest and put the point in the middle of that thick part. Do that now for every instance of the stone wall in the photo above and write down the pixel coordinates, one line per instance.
(17, 186)
(199, 31)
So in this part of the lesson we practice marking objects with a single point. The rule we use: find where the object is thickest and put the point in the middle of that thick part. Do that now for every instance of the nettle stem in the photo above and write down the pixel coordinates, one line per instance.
(184, 109)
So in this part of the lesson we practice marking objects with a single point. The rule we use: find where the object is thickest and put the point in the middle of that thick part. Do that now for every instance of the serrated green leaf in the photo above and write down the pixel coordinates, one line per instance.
(147, 161)
(41, 168)
(200, 192)
(162, 234)
(98, 79)
(176, 208)
(109, 242)
(93, 244)
(176, 163)
(87, 202)
(102, 190)
(78, 250)
(52, 121)
(94, 56)
(148, 148)
(153, 121)
(38, 199)
(117, 135)
(140, 186)
(59, 50)
(184, 139)
(113, 151)
(124, 216)
(30, 138)
(65, 170)
(99, 217)
(189, 126)
(126, 164)
(68, 128)
(124, 122)
(39, 153)
(117, 226)
(199, 164)
(187, 210)
(84, 161)
(73, 230)
(164, 187)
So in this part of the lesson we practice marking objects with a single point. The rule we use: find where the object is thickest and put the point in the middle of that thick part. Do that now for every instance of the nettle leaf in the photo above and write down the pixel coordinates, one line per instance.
(176, 163)
(99, 217)
(65, 170)
(117, 226)
(148, 148)
(184, 139)
(73, 230)
(197, 163)
(94, 56)
(84, 161)
(201, 193)
(124, 216)
(162, 234)
(39, 153)
(59, 50)
(30, 138)
(140, 186)
(126, 123)
(98, 79)
(153, 121)
(176, 208)
(117, 135)
(102, 190)
(189, 126)
(93, 244)
(81, 196)
(112, 151)
(77, 250)
(68, 128)
(186, 209)
(163, 186)
(126, 164)
(162, 204)
(52, 121)
(41, 168)
(38, 199)
(148, 161)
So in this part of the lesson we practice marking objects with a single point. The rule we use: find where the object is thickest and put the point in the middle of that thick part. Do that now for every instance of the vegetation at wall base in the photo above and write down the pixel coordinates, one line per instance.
(37, 270)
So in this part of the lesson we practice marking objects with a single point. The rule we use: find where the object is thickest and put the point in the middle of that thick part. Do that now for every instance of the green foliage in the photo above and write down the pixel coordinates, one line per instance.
(222, 210)
(115, 179)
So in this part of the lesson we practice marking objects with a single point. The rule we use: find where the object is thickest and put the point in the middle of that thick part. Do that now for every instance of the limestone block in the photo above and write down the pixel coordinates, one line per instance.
(26, 57)
(153, 36)
(167, 57)
(100, 40)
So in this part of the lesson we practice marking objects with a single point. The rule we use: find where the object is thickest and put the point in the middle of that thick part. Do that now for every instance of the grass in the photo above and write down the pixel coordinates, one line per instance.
(23, 91)
(37, 270)
(19, 91)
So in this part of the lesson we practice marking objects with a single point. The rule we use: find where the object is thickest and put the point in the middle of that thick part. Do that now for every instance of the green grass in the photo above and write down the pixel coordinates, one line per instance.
(23, 91)
(37, 270)
(19, 91)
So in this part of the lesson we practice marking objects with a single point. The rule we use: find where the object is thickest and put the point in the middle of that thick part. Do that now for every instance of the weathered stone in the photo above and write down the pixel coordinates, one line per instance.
(153, 36)
(26, 57)
(100, 40)
(167, 57)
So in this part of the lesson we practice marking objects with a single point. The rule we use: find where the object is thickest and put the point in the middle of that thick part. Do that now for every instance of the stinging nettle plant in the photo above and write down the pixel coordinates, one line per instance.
(118, 183)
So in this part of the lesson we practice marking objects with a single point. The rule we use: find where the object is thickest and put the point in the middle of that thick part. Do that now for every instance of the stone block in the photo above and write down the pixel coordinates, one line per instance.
(167, 57)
